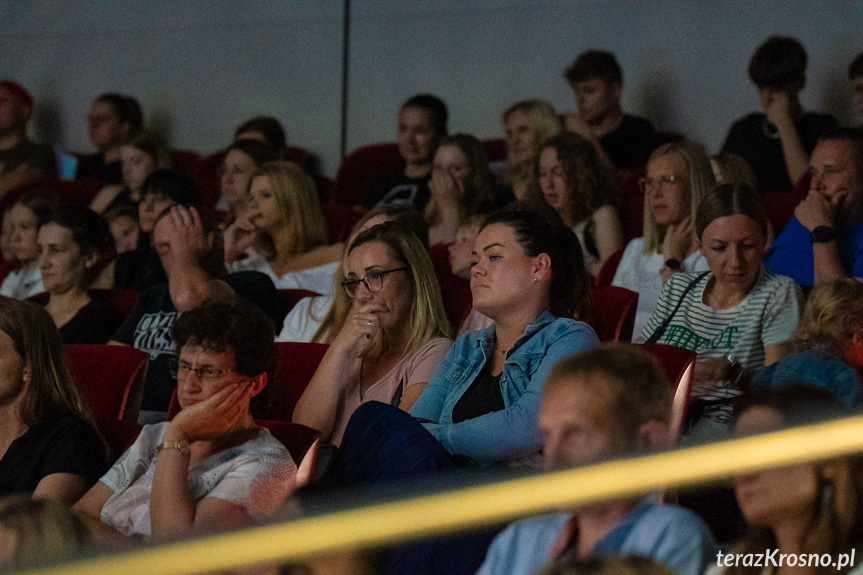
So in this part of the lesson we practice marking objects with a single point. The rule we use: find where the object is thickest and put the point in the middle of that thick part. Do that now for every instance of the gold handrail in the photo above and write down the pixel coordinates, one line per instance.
(476, 506)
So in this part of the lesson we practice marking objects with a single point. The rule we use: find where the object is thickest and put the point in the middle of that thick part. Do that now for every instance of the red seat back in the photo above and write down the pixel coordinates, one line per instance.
(286, 299)
(455, 291)
(679, 365)
(186, 163)
(613, 313)
(495, 149)
(340, 219)
(609, 268)
(119, 434)
(359, 170)
(297, 437)
(110, 378)
(120, 302)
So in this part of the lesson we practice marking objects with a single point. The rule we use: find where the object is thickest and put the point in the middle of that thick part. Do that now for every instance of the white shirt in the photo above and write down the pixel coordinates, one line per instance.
(23, 283)
(318, 279)
(304, 319)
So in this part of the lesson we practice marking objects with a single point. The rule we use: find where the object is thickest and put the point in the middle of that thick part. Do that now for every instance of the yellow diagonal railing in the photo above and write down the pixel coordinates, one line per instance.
(476, 506)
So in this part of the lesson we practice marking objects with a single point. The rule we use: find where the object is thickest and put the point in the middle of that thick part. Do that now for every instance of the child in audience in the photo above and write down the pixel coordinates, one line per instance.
(241, 160)
(574, 183)
(49, 446)
(73, 245)
(283, 234)
(678, 176)
(459, 259)
(461, 186)
(804, 508)
(736, 315)
(25, 218)
(139, 158)
(394, 337)
(123, 222)
(211, 467)
(527, 125)
(38, 532)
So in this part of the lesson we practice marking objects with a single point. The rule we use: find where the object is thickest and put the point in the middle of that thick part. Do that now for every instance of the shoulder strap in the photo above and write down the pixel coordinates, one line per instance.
(661, 329)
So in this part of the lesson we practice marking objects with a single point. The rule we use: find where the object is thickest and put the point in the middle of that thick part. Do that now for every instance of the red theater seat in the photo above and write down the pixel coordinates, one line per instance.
(110, 378)
(613, 313)
(340, 219)
(679, 365)
(359, 170)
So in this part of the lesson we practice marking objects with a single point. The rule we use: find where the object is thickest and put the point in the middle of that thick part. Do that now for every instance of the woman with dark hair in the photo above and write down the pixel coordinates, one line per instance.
(393, 338)
(579, 187)
(114, 119)
(242, 158)
(72, 245)
(25, 218)
(461, 186)
(735, 315)
(48, 444)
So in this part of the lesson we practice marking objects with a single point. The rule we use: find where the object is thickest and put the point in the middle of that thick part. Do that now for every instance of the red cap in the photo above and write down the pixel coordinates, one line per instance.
(18, 91)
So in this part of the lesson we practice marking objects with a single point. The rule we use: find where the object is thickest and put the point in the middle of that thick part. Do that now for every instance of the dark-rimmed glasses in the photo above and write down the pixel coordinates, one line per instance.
(207, 373)
(374, 281)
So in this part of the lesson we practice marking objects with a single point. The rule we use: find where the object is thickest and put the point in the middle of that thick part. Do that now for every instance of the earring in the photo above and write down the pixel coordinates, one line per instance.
(534, 279)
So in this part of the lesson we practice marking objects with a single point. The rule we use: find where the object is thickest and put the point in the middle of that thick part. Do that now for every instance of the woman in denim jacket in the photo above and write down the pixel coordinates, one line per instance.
(482, 401)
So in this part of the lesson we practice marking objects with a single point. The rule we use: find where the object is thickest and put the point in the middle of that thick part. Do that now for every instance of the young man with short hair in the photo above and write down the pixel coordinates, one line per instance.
(601, 404)
(421, 125)
(777, 143)
(21, 160)
(621, 140)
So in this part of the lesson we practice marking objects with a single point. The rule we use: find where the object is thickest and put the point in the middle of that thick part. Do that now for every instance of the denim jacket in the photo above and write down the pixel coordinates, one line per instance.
(511, 433)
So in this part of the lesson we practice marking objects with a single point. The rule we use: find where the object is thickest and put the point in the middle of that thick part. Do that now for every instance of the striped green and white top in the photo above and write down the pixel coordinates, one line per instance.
(767, 316)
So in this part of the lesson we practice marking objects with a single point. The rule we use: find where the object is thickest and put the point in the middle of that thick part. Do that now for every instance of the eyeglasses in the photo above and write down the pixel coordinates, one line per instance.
(648, 185)
(207, 373)
(373, 281)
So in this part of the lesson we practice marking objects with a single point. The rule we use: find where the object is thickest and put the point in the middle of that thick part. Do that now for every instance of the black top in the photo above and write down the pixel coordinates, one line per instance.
(630, 145)
(63, 445)
(140, 268)
(148, 328)
(37, 156)
(756, 141)
(93, 323)
(94, 168)
(396, 188)
(483, 396)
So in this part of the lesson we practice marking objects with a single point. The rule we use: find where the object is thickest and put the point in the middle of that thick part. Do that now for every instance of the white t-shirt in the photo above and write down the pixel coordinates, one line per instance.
(318, 279)
(21, 284)
(639, 272)
(256, 475)
(580, 230)
(304, 319)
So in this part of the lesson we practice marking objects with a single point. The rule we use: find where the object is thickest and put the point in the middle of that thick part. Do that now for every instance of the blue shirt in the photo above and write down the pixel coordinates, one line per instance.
(667, 534)
(791, 253)
(510, 433)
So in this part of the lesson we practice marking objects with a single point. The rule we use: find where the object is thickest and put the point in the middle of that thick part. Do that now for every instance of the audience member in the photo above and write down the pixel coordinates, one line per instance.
(49, 446)
(855, 74)
(459, 259)
(394, 337)
(620, 140)
(73, 246)
(736, 315)
(321, 318)
(21, 161)
(283, 233)
(265, 129)
(422, 123)
(777, 143)
(461, 186)
(114, 119)
(803, 508)
(571, 564)
(241, 160)
(140, 157)
(730, 168)
(827, 345)
(7, 252)
(141, 268)
(527, 125)
(211, 467)
(678, 176)
(25, 218)
(574, 183)
(38, 532)
(123, 223)
(824, 239)
(596, 405)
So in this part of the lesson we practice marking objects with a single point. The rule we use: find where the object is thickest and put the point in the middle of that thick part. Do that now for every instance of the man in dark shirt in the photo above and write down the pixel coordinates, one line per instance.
(777, 143)
(422, 123)
(622, 141)
(21, 161)
(114, 119)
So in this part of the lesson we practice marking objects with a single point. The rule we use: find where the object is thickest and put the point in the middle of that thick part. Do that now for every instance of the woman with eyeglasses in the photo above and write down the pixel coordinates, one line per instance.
(395, 335)
(678, 176)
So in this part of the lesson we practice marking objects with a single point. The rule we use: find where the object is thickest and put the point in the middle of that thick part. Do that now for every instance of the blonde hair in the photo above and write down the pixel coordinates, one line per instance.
(43, 531)
(154, 146)
(298, 203)
(700, 177)
(545, 121)
(427, 316)
(734, 169)
(833, 314)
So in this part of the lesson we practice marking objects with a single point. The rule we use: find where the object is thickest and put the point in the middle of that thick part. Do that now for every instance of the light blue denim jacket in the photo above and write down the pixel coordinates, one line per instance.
(511, 433)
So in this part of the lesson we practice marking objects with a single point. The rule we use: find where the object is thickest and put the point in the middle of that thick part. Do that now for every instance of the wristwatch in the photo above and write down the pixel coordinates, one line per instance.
(672, 264)
(822, 234)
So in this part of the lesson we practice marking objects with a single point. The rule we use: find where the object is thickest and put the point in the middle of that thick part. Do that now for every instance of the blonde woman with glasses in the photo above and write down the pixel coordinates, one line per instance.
(393, 339)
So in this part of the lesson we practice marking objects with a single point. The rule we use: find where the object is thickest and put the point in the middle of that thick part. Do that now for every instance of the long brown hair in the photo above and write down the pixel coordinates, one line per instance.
(478, 186)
